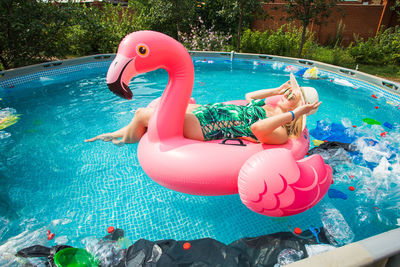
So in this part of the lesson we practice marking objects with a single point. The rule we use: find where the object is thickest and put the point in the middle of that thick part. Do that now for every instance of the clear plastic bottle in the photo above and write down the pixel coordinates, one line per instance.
(337, 230)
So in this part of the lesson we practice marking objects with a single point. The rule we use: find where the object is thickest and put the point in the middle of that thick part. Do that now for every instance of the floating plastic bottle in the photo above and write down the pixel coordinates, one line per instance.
(288, 256)
(337, 230)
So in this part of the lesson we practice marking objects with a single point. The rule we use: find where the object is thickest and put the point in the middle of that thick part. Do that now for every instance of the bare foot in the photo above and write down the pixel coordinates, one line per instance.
(104, 137)
(118, 142)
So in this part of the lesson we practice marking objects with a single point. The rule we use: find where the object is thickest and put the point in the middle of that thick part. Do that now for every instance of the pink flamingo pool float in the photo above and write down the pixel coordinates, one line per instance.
(274, 180)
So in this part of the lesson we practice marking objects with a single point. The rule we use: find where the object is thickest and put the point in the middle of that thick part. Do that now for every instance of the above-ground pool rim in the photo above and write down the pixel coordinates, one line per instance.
(385, 86)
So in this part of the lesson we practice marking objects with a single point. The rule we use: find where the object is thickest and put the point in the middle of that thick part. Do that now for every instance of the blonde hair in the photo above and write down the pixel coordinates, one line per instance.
(294, 129)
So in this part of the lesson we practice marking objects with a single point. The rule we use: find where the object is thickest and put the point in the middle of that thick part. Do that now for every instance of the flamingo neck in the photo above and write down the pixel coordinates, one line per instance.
(168, 118)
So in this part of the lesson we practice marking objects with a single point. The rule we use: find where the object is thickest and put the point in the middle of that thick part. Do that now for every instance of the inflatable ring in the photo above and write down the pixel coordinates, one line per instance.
(274, 180)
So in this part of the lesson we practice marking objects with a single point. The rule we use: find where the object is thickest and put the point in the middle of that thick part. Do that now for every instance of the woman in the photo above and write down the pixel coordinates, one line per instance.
(256, 122)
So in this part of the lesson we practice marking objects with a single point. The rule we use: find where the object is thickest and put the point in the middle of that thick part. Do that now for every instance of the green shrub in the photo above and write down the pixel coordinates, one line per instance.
(335, 56)
(382, 49)
(96, 30)
(31, 32)
(283, 42)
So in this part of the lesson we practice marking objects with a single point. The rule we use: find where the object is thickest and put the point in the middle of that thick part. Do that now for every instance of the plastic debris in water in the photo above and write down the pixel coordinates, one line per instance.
(301, 72)
(388, 125)
(8, 118)
(291, 68)
(371, 121)
(277, 65)
(343, 82)
(337, 230)
(317, 142)
(334, 193)
(186, 245)
(315, 231)
(311, 73)
(288, 256)
(50, 235)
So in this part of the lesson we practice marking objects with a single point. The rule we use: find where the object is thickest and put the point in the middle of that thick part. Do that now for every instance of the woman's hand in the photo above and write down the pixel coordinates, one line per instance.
(283, 89)
(306, 108)
(263, 93)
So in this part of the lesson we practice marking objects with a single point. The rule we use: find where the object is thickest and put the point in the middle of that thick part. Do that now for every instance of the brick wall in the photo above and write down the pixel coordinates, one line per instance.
(362, 20)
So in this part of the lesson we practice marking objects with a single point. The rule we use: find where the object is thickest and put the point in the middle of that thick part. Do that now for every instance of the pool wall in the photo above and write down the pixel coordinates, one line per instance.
(13, 77)
(384, 84)
(378, 250)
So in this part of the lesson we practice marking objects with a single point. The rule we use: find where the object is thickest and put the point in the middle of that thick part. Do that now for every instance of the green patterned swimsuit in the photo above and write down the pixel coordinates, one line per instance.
(220, 121)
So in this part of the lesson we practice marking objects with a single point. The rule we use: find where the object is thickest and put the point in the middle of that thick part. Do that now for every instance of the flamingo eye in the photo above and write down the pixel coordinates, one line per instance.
(142, 50)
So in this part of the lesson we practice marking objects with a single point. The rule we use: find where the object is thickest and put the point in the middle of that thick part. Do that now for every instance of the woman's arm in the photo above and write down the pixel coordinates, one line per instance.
(263, 93)
(268, 131)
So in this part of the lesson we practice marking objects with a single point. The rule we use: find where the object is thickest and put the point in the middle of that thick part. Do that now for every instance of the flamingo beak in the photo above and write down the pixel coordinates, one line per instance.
(119, 74)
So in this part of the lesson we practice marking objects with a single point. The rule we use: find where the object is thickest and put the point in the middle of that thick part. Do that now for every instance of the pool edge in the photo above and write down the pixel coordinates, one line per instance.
(372, 251)
(383, 84)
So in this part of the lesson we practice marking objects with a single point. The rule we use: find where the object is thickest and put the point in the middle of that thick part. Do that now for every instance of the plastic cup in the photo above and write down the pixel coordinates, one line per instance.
(74, 257)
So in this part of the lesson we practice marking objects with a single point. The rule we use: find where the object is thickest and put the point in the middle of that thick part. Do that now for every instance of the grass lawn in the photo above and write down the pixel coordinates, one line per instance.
(388, 72)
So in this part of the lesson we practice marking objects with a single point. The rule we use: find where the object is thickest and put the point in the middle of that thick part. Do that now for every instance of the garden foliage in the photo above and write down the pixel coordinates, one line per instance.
(36, 31)
(383, 49)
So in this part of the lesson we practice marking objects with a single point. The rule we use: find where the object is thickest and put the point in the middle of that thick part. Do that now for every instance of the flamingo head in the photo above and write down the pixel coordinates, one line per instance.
(141, 52)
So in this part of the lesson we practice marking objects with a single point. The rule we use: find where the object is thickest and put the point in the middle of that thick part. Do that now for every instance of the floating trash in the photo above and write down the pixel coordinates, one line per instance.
(371, 121)
(311, 73)
(337, 230)
(291, 68)
(8, 117)
(301, 72)
(343, 82)
(317, 142)
(388, 125)
(278, 65)
(334, 193)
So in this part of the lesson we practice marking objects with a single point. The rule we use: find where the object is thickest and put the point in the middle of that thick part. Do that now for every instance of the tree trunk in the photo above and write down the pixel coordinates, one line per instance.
(239, 27)
(4, 63)
(177, 31)
(303, 37)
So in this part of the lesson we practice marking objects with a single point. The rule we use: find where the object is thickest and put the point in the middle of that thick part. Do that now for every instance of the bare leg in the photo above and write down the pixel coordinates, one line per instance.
(138, 126)
(130, 133)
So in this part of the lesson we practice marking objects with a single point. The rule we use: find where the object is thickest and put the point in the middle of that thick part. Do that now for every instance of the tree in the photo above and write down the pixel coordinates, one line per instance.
(396, 7)
(241, 13)
(30, 32)
(167, 16)
(307, 11)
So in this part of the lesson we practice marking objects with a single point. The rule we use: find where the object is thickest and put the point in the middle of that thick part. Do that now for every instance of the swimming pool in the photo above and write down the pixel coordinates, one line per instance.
(51, 180)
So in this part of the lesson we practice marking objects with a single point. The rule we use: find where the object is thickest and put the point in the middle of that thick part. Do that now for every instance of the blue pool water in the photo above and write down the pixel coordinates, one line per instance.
(51, 180)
